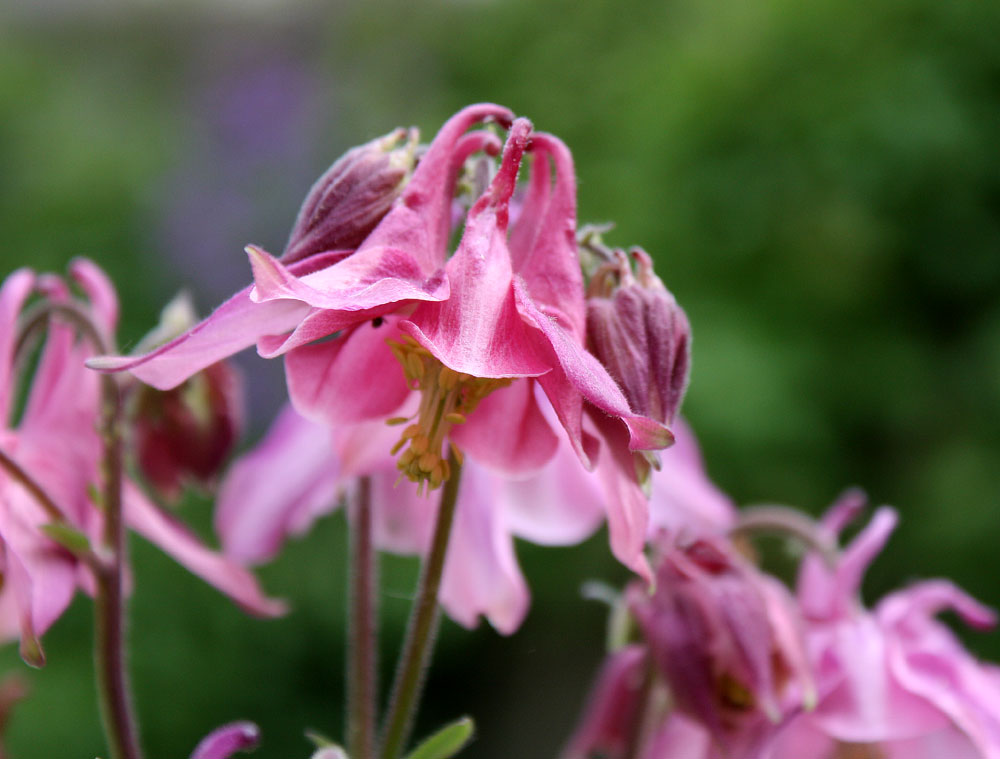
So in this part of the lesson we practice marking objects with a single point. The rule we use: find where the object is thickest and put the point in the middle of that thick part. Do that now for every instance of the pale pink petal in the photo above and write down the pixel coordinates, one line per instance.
(348, 379)
(179, 542)
(317, 325)
(863, 550)
(507, 432)
(100, 291)
(13, 292)
(942, 744)
(225, 741)
(561, 505)
(291, 477)
(590, 378)
(920, 602)
(481, 575)
(404, 520)
(681, 737)
(236, 324)
(683, 497)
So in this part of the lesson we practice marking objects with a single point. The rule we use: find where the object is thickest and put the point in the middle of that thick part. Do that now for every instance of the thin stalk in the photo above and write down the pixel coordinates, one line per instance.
(784, 521)
(639, 729)
(363, 629)
(417, 646)
(109, 608)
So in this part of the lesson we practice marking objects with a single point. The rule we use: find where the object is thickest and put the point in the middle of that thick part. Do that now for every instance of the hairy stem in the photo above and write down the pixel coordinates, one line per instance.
(419, 640)
(363, 629)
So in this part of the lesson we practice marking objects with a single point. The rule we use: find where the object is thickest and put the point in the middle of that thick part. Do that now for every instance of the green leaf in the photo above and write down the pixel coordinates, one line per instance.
(68, 537)
(446, 742)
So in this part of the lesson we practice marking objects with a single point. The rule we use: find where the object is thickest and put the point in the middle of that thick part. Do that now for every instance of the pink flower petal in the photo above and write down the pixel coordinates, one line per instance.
(349, 379)
(100, 291)
(291, 477)
(507, 432)
(236, 324)
(13, 292)
(478, 330)
(481, 575)
(543, 246)
(179, 542)
(590, 378)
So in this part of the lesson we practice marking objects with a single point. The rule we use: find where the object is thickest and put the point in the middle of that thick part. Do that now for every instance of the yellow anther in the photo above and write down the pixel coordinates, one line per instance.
(457, 453)
(397, 420)
(405, 460)
(414, 366)
(428, 461)
(445, 469)
(419, 444)
(399, 444)
(447, 379)
(412, 431)
(437, 475)
(455, 418)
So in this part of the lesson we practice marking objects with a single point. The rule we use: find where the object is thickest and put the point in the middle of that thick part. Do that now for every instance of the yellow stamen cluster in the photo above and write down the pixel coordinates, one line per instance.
(447, 397)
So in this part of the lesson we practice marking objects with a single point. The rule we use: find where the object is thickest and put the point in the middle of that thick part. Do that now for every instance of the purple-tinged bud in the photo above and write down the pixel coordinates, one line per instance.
(725, 637)
(187, 433)
(225, 741)
(350, 199)
(640, 334)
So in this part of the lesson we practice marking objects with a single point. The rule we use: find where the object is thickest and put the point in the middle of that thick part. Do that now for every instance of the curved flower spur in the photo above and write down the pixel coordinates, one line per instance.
(472, 331)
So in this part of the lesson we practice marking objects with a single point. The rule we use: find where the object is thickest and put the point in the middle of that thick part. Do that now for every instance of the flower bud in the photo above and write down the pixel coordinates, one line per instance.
(640, 334)
(725, 637)
(188, 432)
(225, 741)
(350, 199)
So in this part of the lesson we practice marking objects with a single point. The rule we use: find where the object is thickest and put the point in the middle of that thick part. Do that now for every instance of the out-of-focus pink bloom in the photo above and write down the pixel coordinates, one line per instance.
(893, 682)
(187, 433)
(55, 441)
(727, 640)
(504, 308)
(299, 470)
(225, 741)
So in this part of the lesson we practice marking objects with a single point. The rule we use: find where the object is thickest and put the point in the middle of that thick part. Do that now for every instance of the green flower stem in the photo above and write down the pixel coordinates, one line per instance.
(418, 644)
(363, 629)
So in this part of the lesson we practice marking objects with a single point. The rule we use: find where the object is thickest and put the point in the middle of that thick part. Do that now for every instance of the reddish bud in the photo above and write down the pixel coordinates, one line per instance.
(640, 334)
(188, 432)
(350, 199)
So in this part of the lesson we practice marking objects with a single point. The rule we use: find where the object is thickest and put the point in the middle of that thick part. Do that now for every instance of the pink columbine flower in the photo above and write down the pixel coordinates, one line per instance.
(894, 682)
(472, 333)
(56, 443)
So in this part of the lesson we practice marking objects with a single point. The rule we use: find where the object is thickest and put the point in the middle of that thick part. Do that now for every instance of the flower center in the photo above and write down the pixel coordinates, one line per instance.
(447, 397)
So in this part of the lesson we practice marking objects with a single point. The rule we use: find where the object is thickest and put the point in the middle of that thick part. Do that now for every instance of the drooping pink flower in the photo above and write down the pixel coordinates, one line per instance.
(893, 682)
(55, 441)
(504, 310)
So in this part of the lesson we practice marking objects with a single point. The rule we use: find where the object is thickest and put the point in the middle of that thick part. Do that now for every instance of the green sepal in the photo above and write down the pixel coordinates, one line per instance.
(68, 537)
(446, 742)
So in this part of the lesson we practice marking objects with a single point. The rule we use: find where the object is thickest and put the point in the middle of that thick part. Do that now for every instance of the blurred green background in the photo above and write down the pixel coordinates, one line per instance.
(819, 183)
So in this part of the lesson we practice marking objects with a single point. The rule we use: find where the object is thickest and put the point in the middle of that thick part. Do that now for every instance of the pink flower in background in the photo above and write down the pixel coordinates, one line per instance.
(894, 681)
(55, 441)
